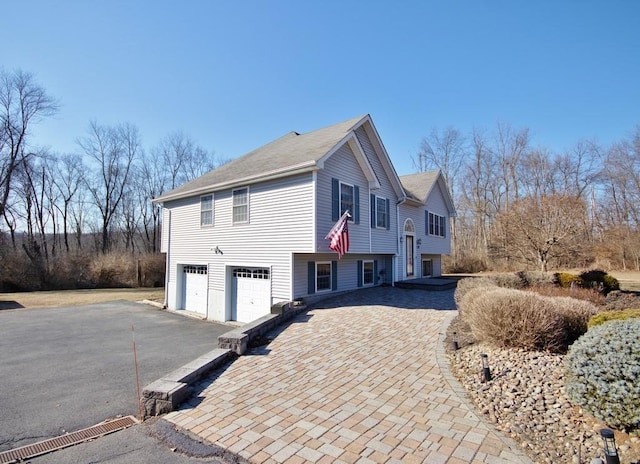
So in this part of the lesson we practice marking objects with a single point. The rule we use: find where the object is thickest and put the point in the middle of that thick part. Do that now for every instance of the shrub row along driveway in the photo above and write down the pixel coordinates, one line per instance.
(64, 369)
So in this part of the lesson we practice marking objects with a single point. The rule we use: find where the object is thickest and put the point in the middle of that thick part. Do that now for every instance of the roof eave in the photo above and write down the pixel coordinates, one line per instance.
(308, 166)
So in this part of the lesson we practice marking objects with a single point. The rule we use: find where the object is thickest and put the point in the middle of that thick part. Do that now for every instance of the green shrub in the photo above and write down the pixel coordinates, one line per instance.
(603, 368)
(607, 316)
(464, 285)
(600, 280)
(566, 279)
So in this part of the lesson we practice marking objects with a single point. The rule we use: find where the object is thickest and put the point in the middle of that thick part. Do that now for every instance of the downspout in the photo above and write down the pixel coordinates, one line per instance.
(370, 228)
(167, 260)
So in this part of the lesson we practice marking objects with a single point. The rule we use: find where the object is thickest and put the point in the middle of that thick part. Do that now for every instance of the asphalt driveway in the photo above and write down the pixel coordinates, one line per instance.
(65, 369)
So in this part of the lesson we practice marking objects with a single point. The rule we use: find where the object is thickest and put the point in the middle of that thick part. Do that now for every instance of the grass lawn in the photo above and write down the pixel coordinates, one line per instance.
(77, 297)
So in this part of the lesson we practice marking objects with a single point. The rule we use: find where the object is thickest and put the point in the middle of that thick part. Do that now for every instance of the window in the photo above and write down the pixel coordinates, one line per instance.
(346, 199)
(323, 277)
(437, 225)
(206, 210)
(367, 272)
(381, 213)
(241, 205)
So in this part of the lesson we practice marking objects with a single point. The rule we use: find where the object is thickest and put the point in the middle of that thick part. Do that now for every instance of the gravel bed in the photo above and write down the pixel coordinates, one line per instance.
(526, 401)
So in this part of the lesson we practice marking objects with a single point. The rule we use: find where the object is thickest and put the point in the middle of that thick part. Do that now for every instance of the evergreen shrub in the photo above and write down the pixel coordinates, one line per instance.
(600, 280)
(566, 279)
(601, 318)
(602, 372)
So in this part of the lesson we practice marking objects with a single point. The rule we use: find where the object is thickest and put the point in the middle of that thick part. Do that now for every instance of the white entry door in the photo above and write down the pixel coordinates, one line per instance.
(250, 294)
(194, 288)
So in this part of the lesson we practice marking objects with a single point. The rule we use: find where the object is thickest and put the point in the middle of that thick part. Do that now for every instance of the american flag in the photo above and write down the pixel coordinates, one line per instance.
(339, 235)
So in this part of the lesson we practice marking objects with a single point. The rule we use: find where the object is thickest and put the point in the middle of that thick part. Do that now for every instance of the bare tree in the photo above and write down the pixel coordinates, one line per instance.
(68, 179)
(444, 150)
(22, 103)
(542, 230)
(113, 151)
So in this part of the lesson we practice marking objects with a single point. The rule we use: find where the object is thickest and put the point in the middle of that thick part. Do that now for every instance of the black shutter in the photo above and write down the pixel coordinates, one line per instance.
(359, 267)
(335, 199)
(375, 272)
(373, 210)
(388, 206)
(356, 204)
(426, 222)
(311, 277)
(334, 275)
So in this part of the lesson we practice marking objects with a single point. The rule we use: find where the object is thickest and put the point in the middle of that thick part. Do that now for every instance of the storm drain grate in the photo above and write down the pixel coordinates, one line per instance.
(63, 441)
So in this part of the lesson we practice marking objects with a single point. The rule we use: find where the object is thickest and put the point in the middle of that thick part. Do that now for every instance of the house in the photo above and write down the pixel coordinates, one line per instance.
(251, 233)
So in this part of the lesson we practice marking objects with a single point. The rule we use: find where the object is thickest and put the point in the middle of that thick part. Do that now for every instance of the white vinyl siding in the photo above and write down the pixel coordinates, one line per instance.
(206, 210)
(343, 167)
(286, 225)
(241, 205)
(383, 240)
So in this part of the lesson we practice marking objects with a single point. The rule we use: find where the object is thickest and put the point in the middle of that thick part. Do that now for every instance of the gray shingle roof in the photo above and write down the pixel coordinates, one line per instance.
(284, 154)
(419, 185)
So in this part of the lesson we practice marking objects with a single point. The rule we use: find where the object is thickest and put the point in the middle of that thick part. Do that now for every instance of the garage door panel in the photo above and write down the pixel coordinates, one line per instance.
(194, 290)
(251, 294)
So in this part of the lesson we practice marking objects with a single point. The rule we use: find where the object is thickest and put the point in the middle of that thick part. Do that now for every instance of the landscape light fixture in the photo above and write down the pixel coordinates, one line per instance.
(610, 451)
(454, 341)
(486, 372)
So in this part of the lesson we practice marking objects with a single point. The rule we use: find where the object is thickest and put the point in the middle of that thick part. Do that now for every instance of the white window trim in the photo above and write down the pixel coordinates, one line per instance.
(233, 221)
(330, 277)
(353, 199)
(212, 210)
(384, 201)
(373, 277)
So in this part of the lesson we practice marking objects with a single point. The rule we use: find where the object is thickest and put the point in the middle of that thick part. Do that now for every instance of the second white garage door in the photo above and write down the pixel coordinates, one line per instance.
(250, 293)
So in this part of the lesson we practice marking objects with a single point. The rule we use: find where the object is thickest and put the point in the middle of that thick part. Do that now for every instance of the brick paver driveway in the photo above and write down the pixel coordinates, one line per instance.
(357, 379)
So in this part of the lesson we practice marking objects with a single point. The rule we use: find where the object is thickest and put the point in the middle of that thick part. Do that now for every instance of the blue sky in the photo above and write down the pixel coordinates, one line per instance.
(237, 74)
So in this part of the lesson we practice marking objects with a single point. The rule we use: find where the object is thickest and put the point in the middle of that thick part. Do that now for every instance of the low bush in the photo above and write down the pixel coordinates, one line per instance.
(600, 280)
(602, 372)
(465, 285)
(607, 316)
(521, 319)
(585, 294)
(536, 279)
(618, 300)
(508, 281)
(567, 280)
(576, 314)
(514, 319)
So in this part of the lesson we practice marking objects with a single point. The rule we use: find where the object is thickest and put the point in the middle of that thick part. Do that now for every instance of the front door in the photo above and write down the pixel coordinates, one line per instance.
(409, 255)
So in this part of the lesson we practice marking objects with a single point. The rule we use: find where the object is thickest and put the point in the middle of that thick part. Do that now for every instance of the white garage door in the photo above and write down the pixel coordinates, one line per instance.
(194, 289)
(250, 293)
